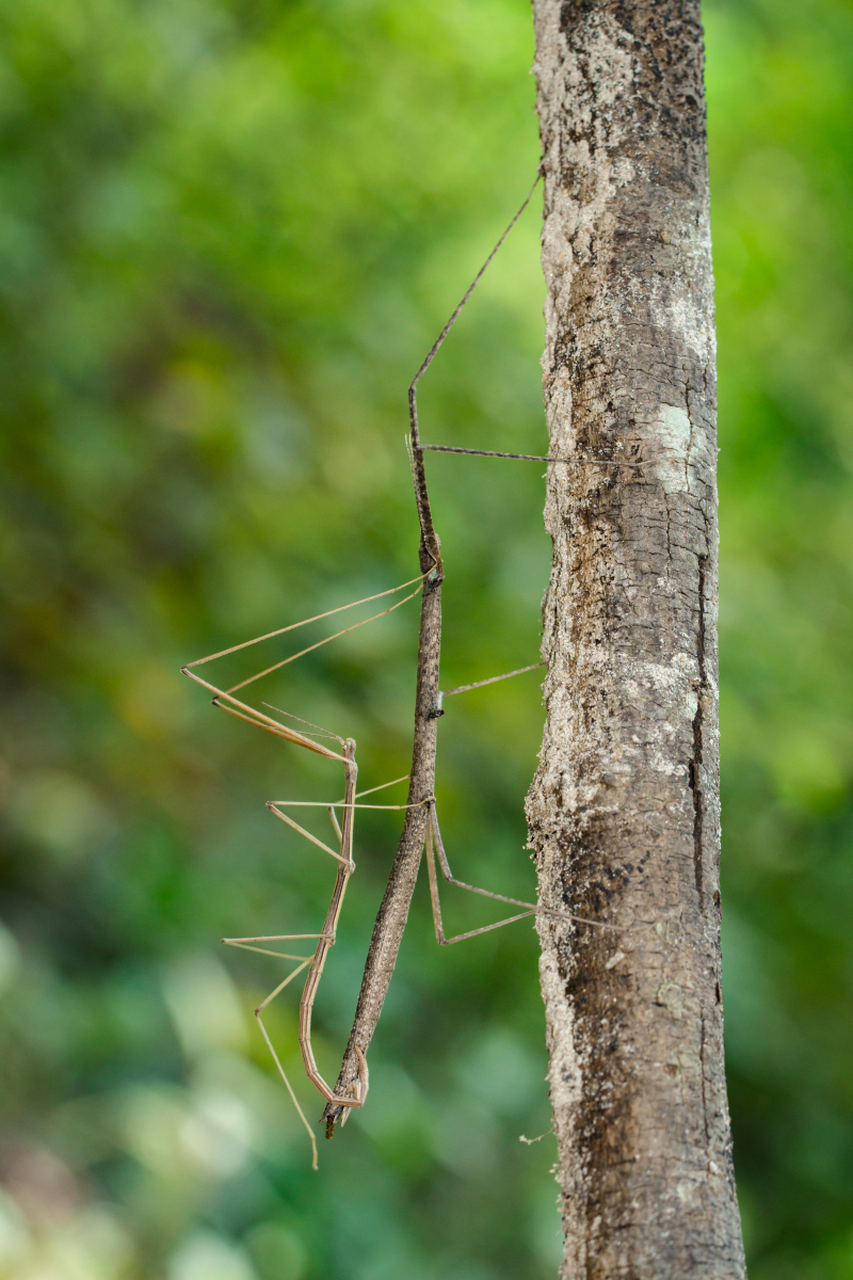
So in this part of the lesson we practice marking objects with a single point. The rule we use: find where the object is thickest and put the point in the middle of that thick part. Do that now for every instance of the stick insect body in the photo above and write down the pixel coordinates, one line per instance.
(420, 826)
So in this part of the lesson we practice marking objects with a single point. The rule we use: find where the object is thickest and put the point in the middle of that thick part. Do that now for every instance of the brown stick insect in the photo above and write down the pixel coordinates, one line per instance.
(420, 825)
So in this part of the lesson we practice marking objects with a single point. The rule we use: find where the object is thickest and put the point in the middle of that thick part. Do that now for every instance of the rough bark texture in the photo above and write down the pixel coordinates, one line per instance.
(624, 813)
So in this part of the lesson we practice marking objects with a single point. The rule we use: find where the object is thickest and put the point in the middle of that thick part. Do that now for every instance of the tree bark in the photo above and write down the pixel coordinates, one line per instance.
(624, 809)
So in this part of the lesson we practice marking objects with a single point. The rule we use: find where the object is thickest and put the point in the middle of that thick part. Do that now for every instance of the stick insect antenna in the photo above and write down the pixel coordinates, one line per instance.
(430, 543)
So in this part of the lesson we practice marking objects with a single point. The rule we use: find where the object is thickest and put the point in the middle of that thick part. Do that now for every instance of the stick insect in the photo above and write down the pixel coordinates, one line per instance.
(420, 830)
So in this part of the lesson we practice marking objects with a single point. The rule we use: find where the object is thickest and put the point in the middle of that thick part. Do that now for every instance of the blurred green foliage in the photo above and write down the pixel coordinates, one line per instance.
(228, 235)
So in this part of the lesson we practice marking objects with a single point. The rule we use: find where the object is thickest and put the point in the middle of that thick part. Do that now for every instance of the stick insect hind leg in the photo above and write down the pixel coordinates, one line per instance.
(316, 962)
(354, 1092)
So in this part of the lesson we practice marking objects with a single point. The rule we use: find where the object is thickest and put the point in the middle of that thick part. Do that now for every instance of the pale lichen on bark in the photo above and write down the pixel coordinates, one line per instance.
(624, 812)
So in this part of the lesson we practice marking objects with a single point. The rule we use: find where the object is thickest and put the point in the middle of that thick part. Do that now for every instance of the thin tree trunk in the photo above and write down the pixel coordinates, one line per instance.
(624, 810)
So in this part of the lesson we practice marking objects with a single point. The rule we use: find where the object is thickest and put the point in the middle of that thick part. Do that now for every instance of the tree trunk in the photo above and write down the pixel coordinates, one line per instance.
(624, 809)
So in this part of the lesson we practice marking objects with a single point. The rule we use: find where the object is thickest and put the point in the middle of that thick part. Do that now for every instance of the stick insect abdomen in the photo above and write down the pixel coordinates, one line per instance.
(394, 908)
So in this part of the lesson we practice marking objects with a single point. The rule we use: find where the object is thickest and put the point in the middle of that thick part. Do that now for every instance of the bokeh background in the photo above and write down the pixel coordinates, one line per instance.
(228, 234)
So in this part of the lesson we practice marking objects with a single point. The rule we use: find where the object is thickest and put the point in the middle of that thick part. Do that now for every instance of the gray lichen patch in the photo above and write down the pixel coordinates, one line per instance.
(672, 448)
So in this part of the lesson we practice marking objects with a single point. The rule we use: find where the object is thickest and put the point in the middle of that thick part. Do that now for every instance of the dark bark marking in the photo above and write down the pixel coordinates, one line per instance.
(696, 759)
(704, 1085)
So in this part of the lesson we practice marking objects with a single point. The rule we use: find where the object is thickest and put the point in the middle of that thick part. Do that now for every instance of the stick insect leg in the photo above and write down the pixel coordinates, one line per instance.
(277, 1060)
(325, 939)
(244, 943)
(433, 837)
(433, 842)
(335, 823)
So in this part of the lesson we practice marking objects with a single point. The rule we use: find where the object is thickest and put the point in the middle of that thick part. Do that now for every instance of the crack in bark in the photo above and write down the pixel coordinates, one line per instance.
(698, 725)
(704, 1086)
